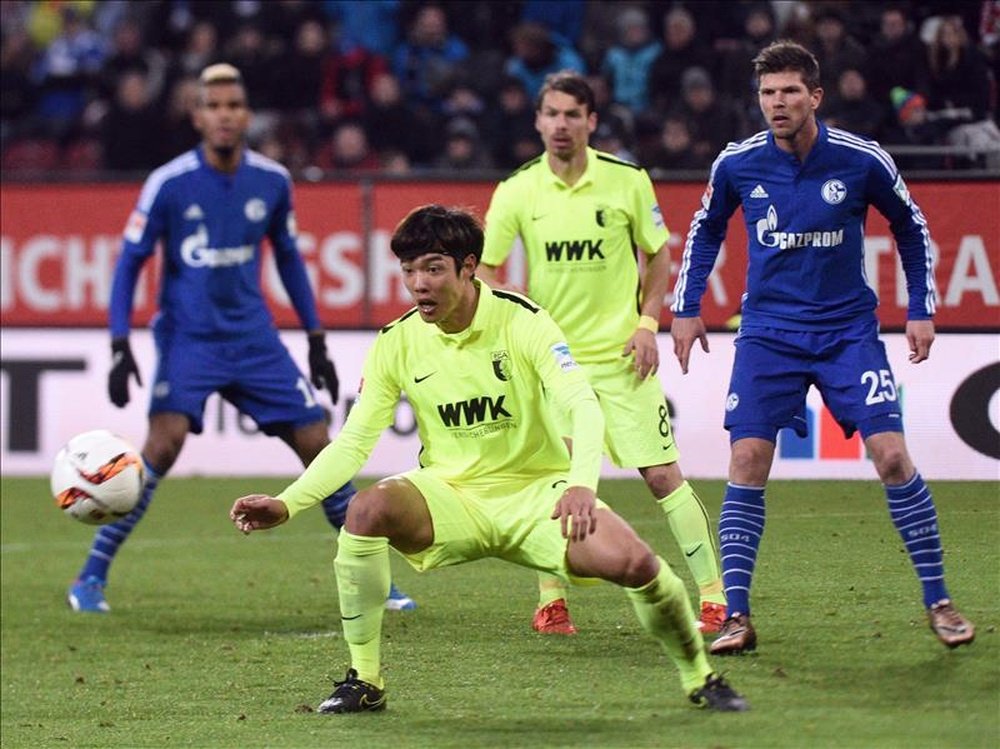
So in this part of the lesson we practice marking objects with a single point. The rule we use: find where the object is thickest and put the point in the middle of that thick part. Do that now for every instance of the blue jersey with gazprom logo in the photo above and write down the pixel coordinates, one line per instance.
(805, 222)
(211, 225)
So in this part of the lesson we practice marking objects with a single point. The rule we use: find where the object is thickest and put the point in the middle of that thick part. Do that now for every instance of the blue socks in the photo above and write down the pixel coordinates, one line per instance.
(110, 537)
(912, 510)
(335, 506)
(741, 524)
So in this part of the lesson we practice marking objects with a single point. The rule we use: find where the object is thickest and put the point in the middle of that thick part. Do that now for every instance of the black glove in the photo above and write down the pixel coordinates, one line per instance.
(122, 366)
(321, 370)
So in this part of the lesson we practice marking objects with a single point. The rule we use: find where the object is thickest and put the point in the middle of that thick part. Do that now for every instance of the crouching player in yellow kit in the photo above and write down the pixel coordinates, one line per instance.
(495, 478)
(582, 215)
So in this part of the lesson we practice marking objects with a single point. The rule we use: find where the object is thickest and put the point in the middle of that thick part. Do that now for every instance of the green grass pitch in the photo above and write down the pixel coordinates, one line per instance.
(220, 640)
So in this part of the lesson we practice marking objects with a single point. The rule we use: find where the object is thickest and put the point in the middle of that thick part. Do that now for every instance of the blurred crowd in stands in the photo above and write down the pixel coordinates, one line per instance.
(398, 86)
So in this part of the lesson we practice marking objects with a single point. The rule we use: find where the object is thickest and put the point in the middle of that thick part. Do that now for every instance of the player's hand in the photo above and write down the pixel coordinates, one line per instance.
(123, 366)
(920, 336)
(256, 512)
(685, 331)
(647, 355)
(321, 370)
(576, 510)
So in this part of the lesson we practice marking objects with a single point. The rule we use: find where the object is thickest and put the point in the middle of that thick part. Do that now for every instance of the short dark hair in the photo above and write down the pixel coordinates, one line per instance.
(568, 82)
(785, 55)
(439, 229)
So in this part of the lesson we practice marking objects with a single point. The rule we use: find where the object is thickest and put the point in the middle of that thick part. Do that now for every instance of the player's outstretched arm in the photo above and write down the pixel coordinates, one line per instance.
(257, 512)
(685, 331)
(920, 336)
(576, 511)
(123, 366)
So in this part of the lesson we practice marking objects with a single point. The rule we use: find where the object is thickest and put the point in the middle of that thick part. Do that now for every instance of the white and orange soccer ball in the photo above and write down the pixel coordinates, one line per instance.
(97, 477)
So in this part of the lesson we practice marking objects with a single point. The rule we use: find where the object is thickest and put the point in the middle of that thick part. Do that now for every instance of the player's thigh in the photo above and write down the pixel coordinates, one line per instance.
(268, 387)
(857, 384)
(637, 420)
(462, 531)
(613, 552)
(526, 533)
(187, 372)
(768, 385)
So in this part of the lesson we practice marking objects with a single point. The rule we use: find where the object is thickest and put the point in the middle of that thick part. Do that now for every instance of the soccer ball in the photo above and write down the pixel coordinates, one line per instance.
(97, 477)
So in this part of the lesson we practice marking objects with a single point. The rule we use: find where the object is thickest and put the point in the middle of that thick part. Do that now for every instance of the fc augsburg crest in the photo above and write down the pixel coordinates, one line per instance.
(501, 365)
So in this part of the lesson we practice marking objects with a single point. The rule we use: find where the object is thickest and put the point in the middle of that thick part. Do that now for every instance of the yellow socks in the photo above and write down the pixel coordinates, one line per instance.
(693, 530)
(664, 611)
(362, 567)
(550, 588)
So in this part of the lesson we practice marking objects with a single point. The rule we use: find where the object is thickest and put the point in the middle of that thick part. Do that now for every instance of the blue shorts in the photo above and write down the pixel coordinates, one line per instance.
(255, 373)
(773, 370)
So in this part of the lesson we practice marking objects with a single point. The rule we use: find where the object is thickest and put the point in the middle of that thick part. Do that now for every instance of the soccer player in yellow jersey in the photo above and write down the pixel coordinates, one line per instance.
(482, 370)
(581, 215)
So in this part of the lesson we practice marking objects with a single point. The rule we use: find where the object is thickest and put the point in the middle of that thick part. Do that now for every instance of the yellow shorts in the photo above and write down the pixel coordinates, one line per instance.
(509, 522)
(637, 424)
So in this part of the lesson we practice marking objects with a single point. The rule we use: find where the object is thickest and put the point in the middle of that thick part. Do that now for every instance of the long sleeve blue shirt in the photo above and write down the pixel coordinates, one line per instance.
(211, 226)
(805, 224)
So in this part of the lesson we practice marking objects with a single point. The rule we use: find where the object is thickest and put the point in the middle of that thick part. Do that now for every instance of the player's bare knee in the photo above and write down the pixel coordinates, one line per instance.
(309, 441)
(641, 567)
(662, 480)
(750, 462)
(894, 466)
(368, 513)
(161, 451)
(891, 458)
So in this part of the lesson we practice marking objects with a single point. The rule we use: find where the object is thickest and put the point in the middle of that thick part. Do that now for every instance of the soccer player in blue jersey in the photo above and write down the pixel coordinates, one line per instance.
(808, 318)
(483, 370)
(211, 208)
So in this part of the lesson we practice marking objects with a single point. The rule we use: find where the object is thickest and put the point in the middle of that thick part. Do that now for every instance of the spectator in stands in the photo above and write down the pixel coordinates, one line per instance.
(734, 78)
(674, 150)
(300, 70)
(348, 150)
(132, 128)
(393, 125)
(611, 112)
(395, 163)
(178, 133)
(464, 101)
(67, 75)
(851, 108)
(627, 64)
(712, 120)
(129, 52)
(835, 49)
(200, 50)
(536, 52)
(254, 55)
(349, 74)
(609, 139)
(681, 50)
(429, 62)
(898, 57)
(372, 25)
(564, 18)
(17, 94)
(959, 88)
(511, 124)
(463, 150)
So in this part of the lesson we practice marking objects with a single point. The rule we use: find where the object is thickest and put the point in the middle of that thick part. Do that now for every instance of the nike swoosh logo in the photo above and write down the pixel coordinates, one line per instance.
(693, 551)
(537, 218)
(418, 380)
(349, 618)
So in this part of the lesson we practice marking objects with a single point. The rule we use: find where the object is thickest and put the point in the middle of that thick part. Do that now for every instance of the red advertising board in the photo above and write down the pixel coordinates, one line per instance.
(59, 244)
